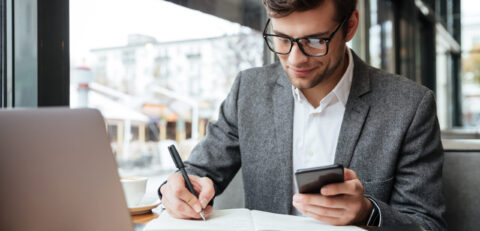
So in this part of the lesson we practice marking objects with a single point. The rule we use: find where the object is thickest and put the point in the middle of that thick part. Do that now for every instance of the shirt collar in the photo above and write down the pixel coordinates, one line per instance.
(342, 89)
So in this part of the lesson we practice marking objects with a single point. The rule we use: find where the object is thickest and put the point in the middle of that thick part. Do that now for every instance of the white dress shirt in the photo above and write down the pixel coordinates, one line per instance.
(316, 130)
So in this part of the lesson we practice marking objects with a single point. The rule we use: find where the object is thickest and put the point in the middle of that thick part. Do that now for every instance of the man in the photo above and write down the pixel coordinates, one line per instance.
(321, 105)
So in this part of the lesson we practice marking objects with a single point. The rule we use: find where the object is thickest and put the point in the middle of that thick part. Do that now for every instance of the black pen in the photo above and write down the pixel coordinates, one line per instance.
(179, 163)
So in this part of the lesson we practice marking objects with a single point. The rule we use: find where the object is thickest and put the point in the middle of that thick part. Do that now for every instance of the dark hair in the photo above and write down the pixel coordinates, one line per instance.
(282, 8)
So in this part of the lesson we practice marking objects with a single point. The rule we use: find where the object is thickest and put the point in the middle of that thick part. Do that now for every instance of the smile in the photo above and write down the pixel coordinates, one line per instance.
(302, 72)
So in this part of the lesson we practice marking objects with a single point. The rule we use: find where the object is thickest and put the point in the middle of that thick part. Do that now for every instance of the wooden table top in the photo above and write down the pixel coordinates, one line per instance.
(144, 218)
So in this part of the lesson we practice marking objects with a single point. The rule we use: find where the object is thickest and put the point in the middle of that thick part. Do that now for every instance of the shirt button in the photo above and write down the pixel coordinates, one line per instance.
(310, 153)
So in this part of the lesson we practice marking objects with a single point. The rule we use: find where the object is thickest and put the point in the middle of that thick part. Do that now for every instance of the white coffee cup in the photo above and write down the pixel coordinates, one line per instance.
(134, 189)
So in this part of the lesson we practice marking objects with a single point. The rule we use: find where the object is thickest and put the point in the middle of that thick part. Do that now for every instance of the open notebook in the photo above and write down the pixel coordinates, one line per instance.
(242, 220)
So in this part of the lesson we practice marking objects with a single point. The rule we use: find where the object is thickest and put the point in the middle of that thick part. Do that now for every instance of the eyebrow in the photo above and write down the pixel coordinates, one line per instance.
(321, 34)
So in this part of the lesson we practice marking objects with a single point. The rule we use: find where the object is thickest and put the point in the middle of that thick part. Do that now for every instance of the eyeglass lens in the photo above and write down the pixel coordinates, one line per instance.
(311, 46)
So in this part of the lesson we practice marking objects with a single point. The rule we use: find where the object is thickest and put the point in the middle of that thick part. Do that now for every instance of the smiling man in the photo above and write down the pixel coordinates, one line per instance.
(319, 106)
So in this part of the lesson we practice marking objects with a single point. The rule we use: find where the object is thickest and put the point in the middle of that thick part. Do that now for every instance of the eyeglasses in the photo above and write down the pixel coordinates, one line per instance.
(310, 46)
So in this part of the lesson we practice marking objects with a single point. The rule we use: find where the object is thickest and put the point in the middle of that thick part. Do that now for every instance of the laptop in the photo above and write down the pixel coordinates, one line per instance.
(57, 172)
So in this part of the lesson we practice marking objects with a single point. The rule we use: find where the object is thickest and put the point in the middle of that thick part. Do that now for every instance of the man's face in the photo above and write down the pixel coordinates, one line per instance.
(307, 72)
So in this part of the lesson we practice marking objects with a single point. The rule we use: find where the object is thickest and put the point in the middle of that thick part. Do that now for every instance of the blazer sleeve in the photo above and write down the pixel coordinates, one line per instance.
(217, 156)
(417, 196)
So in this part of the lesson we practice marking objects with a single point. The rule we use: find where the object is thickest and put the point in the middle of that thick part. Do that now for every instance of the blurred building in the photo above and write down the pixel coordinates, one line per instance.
(201, 68)
(176, 75)
(152, 91)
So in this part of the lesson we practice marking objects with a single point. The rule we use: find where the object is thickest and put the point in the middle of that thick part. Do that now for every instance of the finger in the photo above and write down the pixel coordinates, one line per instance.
(207, 191)
(180, 192)
(349, 174)
(319, 210)
(189, 199)
(194, 180)
(208, 210)
(325, 219)
(177, 181)
(320, 200)
(176, 196)
(197, 182)
(179, 209)
(197, 187)
(351, 187)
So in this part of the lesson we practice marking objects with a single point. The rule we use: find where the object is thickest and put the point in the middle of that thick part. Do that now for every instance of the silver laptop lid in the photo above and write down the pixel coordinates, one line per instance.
(57, 172)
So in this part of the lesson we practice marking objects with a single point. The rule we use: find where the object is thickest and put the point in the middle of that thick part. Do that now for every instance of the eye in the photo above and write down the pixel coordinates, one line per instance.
(283, 40)
(316, 43)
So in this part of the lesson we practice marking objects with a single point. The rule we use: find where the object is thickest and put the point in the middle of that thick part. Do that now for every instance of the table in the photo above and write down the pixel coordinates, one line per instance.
(144, 218)
(140, 221)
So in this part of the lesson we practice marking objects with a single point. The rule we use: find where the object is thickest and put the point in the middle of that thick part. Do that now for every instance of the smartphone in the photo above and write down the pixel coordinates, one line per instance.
(311, 180)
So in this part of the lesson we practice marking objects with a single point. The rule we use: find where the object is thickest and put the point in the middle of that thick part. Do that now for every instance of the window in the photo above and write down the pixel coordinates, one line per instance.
(157, 71)
(381, 35)
(471, 64)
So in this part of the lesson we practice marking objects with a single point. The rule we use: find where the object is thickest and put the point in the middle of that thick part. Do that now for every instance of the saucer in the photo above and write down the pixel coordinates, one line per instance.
(145, 205)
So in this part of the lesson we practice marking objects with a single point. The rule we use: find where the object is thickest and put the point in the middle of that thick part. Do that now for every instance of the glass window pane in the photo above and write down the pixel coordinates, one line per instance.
(381, 34)
(25, 55)
(471, 64)
(157, 71)
(358, 43)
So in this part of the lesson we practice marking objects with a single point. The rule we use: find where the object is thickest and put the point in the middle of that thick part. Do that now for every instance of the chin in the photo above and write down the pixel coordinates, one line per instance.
(301, 84)
(305, 82)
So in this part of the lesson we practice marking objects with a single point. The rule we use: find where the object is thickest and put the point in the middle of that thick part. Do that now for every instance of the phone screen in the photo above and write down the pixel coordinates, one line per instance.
(311, 180)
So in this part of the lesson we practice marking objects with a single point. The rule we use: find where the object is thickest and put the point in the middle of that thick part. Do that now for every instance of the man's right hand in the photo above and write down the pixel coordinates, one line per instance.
(180, 203)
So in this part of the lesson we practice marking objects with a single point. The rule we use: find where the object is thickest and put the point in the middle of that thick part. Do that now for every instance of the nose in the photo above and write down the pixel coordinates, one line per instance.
(296, 56)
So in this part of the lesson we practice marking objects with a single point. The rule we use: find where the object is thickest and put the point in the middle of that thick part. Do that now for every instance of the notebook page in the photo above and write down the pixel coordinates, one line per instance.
(225, 220)
(264, 221)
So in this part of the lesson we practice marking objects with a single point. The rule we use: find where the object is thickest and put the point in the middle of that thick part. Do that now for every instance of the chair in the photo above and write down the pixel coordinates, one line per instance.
(461, 182)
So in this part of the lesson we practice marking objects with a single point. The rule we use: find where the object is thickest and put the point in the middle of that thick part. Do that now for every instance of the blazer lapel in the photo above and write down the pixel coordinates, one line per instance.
(283, 122)
(356, 112)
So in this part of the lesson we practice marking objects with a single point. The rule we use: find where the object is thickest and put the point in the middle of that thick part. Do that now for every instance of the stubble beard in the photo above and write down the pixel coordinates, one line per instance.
(316, 80)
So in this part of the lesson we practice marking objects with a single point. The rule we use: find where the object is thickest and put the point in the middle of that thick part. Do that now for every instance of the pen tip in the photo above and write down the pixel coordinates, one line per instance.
(202, 215)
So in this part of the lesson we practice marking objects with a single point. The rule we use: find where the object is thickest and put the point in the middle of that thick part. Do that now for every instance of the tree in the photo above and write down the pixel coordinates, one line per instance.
(471, 64)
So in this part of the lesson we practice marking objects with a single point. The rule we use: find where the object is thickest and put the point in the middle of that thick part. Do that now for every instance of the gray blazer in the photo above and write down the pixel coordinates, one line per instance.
(389, 136)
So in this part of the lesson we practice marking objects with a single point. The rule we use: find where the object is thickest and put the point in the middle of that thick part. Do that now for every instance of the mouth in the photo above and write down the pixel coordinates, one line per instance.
(301, 72)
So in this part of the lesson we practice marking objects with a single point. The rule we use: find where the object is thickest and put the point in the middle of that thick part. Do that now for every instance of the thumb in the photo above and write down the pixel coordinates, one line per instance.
(349, 174)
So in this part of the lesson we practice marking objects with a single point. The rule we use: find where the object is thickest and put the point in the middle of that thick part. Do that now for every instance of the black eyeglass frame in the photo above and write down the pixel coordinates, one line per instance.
(296, 40)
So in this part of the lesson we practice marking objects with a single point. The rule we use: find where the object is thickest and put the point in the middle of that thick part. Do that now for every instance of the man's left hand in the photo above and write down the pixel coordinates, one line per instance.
(337, 204)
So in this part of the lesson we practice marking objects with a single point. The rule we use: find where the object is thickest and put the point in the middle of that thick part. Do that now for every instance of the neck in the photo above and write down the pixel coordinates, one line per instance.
(315, 94)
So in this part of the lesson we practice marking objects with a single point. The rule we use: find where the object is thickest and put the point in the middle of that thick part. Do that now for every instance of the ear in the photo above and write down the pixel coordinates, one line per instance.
(352, 25)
